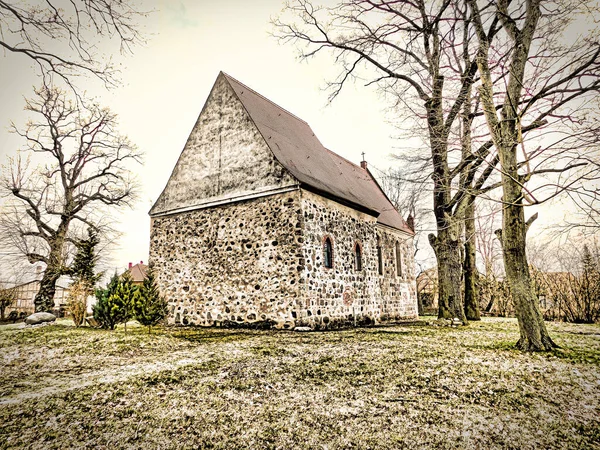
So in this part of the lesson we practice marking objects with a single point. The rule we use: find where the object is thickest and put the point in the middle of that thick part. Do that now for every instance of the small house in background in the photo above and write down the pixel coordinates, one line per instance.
(138, 272)
(26, 292)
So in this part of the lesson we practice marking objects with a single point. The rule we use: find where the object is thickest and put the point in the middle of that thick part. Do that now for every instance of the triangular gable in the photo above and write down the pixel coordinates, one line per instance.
(225, 158)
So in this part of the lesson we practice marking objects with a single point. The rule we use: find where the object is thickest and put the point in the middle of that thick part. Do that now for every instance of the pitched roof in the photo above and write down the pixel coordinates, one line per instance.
(296, 147)
(138, 272)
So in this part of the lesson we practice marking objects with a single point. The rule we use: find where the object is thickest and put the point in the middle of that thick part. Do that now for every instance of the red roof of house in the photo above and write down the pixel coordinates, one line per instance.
(296, 147)
(138, 272)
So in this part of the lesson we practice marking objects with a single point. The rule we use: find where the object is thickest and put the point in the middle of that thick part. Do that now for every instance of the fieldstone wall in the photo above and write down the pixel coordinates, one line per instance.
(343, 295)
(238, 263)
(260, 263)
(397, 286)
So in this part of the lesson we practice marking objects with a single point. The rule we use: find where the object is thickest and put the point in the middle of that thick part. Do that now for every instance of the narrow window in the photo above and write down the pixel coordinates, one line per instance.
(379, 260)
(357, 258)
(328, 253)
(398, 260)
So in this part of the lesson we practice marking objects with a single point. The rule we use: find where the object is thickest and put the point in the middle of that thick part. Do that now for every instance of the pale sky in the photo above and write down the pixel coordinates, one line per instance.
(166, 82)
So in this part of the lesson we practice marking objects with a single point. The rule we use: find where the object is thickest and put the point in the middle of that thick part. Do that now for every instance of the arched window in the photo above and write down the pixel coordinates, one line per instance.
(357, 257)
(328, 253)
(398, 259)
(379, 258)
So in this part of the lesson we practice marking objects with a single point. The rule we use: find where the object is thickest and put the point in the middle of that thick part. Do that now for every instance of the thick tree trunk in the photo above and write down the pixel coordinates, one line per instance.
(448, 255)
(534, 336)
(446, 244)
(505, 133)
(469, 266)
(44, 299)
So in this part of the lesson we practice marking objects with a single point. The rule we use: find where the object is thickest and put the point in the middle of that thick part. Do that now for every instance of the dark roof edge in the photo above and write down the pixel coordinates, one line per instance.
(340, 200)
(408, 230)
(262, 96)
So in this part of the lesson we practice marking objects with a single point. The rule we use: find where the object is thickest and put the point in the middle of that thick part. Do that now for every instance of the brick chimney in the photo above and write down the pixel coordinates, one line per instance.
(410, 221)
(141, 262)
(130, 265)
(363, 164)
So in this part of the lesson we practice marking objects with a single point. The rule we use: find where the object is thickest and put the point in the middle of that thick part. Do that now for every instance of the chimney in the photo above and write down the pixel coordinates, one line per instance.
(363, 163)
(130, 265)
(410, 221)
(141, 262)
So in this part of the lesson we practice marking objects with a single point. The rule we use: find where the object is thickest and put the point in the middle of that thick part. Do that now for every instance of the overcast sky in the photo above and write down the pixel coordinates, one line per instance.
(166, 82)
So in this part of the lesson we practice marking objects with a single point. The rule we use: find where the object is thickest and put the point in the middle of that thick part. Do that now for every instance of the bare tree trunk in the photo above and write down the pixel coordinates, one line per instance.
(448, 255)
(534, 336)
(447, 242)
(44, 299)
(469, 265)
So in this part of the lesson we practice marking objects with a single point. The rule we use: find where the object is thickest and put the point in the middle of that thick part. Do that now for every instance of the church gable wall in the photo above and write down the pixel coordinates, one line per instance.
(235, 263)
(225, 157)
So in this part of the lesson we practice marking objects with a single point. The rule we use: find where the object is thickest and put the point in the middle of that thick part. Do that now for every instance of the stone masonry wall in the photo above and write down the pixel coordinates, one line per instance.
(238, 263)
(397, 287)
(342, 295)
(260, 263)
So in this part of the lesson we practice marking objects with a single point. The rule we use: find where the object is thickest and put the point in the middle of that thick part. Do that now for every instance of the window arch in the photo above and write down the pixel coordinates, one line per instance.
(398, 259)
(328, 253)
(379, 258)
(357, 257)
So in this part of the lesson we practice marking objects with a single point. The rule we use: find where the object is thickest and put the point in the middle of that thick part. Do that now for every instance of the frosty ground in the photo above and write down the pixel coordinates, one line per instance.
(412, 385)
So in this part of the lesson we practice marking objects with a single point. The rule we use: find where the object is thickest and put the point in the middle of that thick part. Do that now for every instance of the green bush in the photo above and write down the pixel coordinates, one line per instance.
(115, 303)
(149, 307)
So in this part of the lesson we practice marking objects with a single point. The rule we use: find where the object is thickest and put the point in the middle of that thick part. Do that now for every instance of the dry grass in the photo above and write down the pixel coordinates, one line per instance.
(404, 386)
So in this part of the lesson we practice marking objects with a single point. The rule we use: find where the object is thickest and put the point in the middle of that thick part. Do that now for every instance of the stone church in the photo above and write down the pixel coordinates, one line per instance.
(260, 225)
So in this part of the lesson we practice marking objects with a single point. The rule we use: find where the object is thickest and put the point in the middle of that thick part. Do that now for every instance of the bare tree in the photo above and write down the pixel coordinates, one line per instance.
(84, 168)
(572, 293)
(417, 52)
(547, 83)
(61, 37)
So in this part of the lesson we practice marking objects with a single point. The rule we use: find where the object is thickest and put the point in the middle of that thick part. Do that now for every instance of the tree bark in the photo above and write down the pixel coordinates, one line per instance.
(44, 299)
(469, 265)
(534, 336)
(447, 242)
(448, 255)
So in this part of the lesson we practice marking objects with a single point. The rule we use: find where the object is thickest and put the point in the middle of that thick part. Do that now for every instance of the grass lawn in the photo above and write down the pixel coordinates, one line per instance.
(413, 386)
